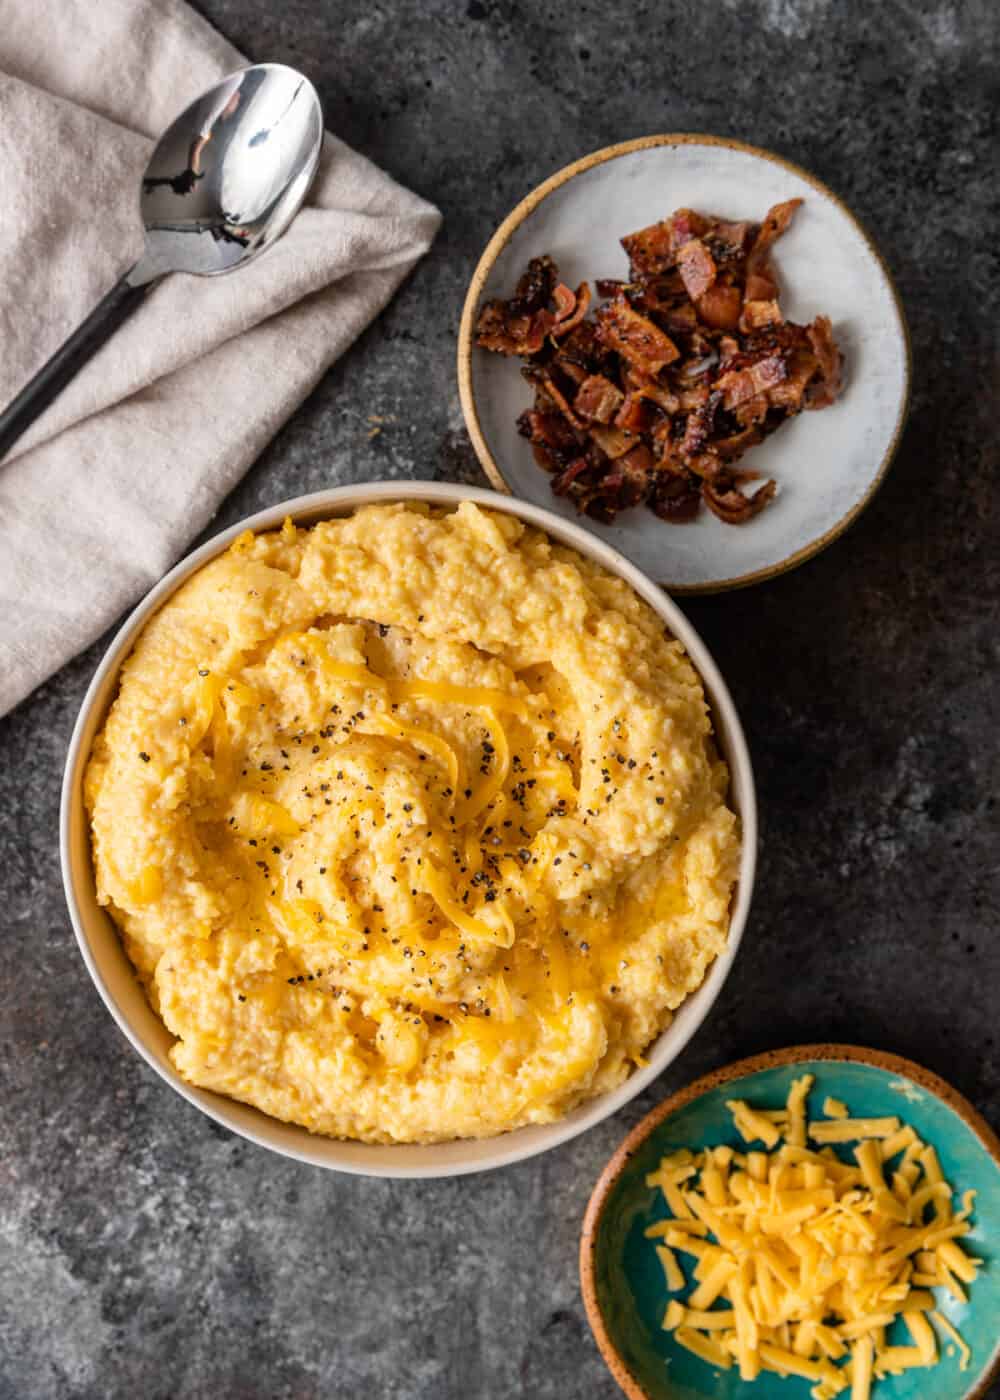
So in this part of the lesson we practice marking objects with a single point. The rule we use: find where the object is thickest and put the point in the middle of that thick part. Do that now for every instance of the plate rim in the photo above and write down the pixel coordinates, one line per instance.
(553, 182)
(738, 1069)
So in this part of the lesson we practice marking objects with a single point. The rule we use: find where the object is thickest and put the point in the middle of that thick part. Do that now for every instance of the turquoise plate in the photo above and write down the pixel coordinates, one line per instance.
(622, 1280)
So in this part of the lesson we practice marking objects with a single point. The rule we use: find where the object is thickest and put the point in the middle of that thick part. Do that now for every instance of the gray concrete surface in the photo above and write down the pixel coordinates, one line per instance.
(146, 1253)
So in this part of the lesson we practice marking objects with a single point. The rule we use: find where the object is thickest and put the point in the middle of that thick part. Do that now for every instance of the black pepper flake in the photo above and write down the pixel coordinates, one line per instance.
(144, 756)
(659, 802)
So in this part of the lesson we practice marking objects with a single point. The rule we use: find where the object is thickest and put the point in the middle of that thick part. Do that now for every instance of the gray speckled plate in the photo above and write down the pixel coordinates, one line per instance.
(827, 464)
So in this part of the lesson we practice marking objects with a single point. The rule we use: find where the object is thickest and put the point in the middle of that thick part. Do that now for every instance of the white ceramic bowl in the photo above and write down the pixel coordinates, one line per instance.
(123, 995)
(827, 465)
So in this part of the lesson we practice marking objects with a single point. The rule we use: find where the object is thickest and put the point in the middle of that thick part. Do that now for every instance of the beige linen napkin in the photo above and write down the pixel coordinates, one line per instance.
(111, 483)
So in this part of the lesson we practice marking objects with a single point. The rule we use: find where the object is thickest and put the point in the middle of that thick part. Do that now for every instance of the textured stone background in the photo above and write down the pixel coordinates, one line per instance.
(145, 1252)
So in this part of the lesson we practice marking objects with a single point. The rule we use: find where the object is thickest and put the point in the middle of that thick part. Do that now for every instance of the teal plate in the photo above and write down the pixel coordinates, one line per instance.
(622, 1280)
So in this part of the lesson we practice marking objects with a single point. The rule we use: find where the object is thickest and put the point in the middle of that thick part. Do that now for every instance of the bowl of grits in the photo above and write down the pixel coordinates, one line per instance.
(408, 830)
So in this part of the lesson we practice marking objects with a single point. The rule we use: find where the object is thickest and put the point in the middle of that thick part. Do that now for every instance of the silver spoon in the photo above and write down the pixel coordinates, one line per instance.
(224, 182)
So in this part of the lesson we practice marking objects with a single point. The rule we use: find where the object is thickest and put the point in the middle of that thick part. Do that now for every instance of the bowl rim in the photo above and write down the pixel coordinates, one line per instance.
(738, 1069)
(553, 182)
(512, 1146)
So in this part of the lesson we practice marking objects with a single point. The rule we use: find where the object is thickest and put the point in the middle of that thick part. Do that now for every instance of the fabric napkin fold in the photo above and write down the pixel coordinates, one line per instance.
(114, 480)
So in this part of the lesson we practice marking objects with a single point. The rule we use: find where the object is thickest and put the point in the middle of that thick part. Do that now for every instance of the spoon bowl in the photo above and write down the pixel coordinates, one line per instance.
(231, 172)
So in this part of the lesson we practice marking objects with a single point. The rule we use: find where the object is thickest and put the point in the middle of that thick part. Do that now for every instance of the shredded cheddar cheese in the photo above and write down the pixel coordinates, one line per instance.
(804, 1264)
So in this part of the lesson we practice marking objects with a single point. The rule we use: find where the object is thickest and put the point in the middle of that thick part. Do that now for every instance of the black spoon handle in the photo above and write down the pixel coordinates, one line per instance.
(69, 359)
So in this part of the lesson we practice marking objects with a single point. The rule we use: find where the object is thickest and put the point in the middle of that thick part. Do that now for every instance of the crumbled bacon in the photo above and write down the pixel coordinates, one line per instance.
(719, 308)
(636, 338)
(686, 366)
(697, 268)
(826, 387)
(598, 399)
(571, 307)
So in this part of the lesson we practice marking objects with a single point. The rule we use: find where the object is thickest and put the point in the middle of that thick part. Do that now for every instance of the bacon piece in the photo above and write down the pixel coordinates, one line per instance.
(720, 306)
(635, 337)
(553, 439)
(760, 313)
(697, 268)
(639, 462)
(498, 330)
(571, 307)
(580, 344)
(649, 388)
(737, 385)
(700, 426)
(693, 397)
(638, 467)
(519, 326)
(597, 399)
(827, 387)
(635, 415)
(776, 221)
(546, 380)
(731, 506)
(654, 249)
(662, 292)
(679, 320)
(535, 287)
(565, 479)
(565, 300)
(752, 412)
(801, 366)
(612, 441)
(761, 286)
(624, 486)
(761, 283)
(733, 447)
(675, 498)
(735, 238)
(569, 369)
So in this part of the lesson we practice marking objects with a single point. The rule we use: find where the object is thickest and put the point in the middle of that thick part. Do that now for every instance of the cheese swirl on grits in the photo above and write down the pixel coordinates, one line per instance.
(412, 824)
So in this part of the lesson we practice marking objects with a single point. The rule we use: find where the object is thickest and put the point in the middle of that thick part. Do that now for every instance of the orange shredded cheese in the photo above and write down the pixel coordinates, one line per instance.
(803, 1263)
